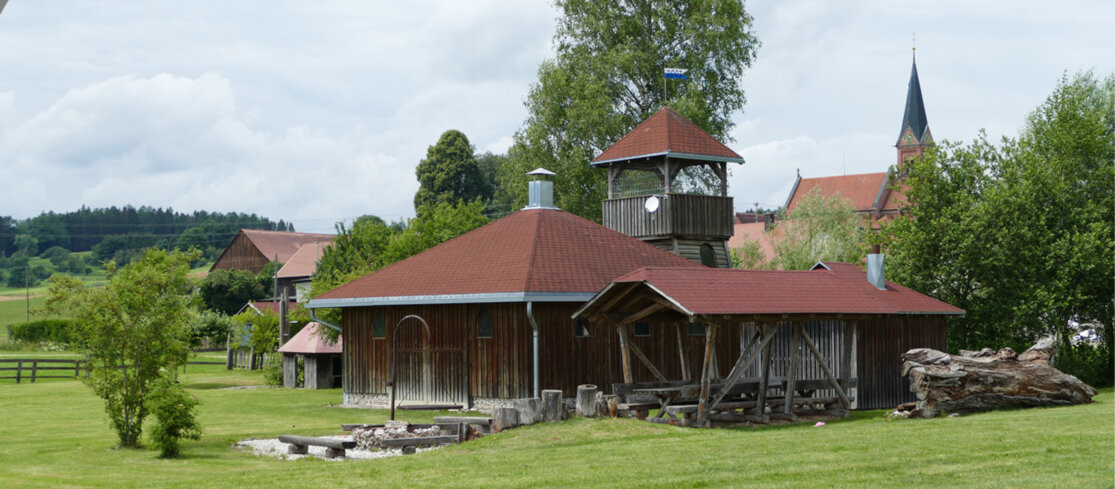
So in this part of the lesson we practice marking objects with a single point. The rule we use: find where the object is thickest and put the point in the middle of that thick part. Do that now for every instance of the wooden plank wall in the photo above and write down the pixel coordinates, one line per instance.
(678, 214)
(881, 344)
(241, 254)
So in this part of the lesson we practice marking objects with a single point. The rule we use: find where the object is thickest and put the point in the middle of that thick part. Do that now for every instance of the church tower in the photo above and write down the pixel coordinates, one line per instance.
(668, 186)
(914, 138)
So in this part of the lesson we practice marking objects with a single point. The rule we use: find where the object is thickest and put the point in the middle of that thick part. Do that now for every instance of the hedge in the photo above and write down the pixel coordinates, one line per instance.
(52, 330)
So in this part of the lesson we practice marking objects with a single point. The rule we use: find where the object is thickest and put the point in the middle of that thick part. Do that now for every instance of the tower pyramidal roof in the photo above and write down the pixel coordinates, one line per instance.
(914, 117)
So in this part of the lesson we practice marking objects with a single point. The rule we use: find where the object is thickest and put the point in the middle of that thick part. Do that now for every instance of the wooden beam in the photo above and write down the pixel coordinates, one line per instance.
(646, 361)
(764, 380)
(741, 364)
(683, 358)
(644, 312)
(825, 368)
(625, 353)
(846, 373)
(792, 376)
(607, 306)
(702, 406)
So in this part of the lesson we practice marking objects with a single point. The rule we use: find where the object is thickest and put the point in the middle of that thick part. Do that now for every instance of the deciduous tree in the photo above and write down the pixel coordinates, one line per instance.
(450, 174)
(607, 76)
(132, 332)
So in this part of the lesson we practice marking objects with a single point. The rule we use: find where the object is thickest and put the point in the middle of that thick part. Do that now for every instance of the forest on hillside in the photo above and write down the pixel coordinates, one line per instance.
(119, 232)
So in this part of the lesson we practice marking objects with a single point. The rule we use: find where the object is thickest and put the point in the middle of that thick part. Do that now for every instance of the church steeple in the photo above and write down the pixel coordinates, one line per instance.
(914, 137)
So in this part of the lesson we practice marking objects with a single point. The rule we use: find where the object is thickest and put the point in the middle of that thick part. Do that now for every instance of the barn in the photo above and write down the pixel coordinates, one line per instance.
(252, 249)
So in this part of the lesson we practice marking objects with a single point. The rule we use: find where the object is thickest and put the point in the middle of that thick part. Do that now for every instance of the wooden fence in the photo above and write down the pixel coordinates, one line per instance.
(32, 369)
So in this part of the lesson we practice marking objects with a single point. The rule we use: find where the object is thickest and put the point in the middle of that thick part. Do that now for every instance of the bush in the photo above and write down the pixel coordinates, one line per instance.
(174, 415)
(210, 329)
(44, 330)
(273, 376)
(1090, 363)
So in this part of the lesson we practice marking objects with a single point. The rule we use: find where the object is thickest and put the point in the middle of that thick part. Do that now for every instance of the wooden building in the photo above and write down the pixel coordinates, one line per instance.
(487, 316)
(252, 249)
(856, 323)
(668, 186)
(315, 355)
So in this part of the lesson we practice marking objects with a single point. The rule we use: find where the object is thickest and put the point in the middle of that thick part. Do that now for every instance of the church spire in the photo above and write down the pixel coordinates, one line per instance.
(914, 136)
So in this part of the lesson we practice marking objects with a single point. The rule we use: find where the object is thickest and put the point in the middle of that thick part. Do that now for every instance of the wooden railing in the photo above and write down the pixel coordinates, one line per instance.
(32, 369)
(700, 216)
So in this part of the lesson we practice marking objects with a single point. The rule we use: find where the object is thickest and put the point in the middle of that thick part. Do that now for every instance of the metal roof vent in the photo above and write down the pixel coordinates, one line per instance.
(541, 189)
(875, 272)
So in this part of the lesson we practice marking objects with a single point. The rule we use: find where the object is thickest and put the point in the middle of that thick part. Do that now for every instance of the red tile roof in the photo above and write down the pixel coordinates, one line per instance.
(861, 190)
(303, 263)
(841, 289)
(530, 251)
(282, 243)
(666, 132)
(311, 339)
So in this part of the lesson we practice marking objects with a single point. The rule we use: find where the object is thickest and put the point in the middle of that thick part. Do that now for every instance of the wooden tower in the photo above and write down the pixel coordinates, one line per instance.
(914, 138)
(668, 186)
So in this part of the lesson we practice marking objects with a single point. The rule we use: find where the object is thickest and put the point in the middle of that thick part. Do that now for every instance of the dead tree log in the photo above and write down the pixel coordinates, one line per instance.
(586, 400)
(985, 380)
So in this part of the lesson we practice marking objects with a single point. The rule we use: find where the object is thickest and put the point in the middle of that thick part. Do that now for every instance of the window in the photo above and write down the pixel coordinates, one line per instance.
(580, 329)
(484, 327)
(379, 328)
(696, 329)
(642, 329)
(708, 256)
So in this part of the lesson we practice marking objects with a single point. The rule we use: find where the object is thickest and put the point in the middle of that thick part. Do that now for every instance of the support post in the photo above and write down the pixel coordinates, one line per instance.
(682, 357)
(646, 362)
(757, 342)
(846, 374)
(625, 353)
(792, 376)
(702, 406)
(764, 380)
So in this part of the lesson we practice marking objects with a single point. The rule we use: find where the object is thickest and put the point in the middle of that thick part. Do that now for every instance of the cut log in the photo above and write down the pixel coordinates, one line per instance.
(552, 407)
(530, 410)
(985, 380)
(601, 405)
(505, 418)
(586, 400)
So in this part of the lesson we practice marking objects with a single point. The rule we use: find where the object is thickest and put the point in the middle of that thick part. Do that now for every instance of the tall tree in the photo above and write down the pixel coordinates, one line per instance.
(133, 331)
(1019, 234)
(450, 173)
(607, 76)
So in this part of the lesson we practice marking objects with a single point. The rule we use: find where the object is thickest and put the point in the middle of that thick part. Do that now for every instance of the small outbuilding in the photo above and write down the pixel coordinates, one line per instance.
(316, 355)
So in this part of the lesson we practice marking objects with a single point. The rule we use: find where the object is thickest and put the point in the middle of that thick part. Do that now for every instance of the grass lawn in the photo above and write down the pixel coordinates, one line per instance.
(55, 434)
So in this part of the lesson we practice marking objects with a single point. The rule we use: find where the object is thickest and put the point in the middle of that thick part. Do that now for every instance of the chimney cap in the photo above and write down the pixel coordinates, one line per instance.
(541, 171)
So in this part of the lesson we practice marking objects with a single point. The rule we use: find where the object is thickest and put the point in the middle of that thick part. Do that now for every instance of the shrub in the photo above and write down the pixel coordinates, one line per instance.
(1091, 364)
(210, 329)
(174, 415)
(273, 376)
(44, 330)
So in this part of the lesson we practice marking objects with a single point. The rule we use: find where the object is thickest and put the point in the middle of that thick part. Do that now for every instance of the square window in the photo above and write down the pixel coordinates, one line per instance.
(642, 329)
(580, 329)
(696, 329)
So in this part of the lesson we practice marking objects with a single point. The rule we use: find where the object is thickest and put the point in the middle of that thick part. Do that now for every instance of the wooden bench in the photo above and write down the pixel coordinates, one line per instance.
(334, 448)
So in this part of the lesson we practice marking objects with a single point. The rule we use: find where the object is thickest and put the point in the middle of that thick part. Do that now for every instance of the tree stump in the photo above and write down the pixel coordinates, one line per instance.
(586, 400)
(985, 380)
(552, 407)
(601, 405)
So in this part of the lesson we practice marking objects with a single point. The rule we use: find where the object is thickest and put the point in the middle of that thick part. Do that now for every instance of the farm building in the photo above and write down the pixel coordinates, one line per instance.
(488, 316)
(313, 353)
(252, 249)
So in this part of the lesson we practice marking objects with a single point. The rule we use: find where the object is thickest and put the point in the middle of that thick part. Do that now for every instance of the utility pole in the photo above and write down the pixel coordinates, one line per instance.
(27, 287)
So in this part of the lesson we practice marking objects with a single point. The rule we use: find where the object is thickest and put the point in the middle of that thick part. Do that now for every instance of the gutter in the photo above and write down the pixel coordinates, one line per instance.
(534, 326)
(322, 321)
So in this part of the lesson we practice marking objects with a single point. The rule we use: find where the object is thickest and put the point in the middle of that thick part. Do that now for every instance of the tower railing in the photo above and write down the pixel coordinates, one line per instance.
(697, 216)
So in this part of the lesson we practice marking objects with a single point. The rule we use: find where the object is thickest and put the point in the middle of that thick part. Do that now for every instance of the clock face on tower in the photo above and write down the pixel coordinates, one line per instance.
(908, 138)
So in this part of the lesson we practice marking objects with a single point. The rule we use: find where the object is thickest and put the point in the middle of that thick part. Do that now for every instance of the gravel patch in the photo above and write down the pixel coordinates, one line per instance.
(272, 447)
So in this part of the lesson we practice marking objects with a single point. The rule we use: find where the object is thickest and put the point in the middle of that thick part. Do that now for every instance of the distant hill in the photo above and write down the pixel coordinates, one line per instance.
(106, 231)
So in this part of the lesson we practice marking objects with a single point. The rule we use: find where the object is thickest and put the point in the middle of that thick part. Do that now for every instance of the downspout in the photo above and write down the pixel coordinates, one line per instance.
(534, 325)
(328, 324)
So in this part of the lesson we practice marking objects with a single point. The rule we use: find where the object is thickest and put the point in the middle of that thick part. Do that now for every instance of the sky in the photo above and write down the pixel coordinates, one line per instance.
(318, 112)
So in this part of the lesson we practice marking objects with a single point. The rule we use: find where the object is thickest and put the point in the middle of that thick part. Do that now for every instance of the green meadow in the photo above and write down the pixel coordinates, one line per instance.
(55, 434)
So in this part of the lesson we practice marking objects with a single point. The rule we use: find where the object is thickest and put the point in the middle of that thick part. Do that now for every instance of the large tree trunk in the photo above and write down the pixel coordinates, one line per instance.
(984, 380)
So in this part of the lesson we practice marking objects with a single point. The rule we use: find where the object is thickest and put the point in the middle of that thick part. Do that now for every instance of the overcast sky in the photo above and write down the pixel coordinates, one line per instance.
(318, 112)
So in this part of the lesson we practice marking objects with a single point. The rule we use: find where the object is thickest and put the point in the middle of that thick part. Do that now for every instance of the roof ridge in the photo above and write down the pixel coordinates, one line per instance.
(534, 248)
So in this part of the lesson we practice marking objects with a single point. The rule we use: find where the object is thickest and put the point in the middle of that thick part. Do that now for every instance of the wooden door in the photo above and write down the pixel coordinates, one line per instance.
(429, 371)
